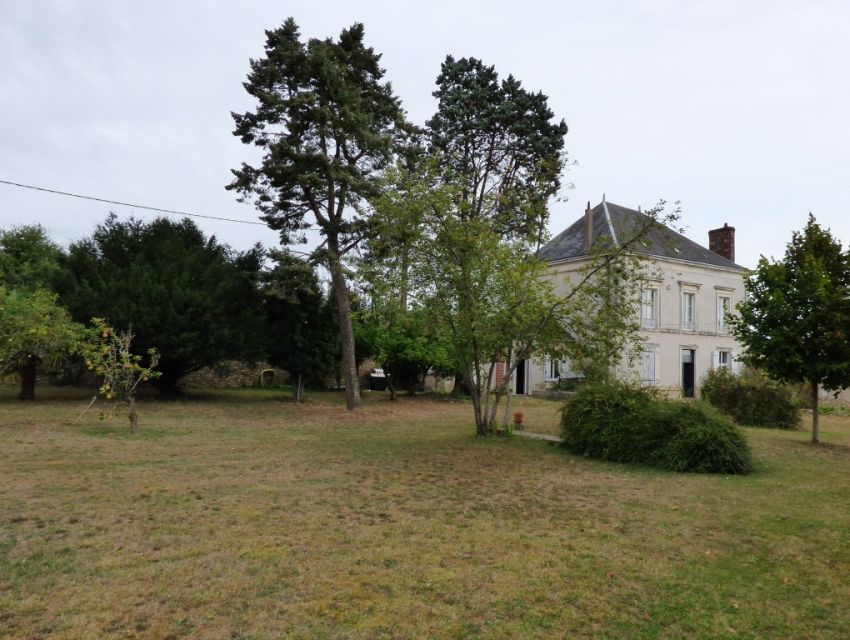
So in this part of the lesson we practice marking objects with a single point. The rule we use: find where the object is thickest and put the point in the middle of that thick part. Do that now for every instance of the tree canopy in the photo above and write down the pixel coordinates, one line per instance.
(29, 259)
(795, 321)
(327, 124)
(36, 335)
(499, 145)
(481, 296)
(189, 296)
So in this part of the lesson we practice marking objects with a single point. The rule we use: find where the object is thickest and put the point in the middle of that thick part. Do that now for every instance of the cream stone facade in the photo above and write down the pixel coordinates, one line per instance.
(683, 313)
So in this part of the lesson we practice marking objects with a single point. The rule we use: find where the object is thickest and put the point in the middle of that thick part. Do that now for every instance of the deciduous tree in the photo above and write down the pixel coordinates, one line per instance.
(795, 321)
(475, 213)
(497, 158)
(405, 339)
(604, 295)
(108, 353)
(481, 294)
(29, 259)
(36, 335)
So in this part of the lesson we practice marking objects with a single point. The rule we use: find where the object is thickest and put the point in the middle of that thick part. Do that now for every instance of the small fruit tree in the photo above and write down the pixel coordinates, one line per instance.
(109, 355)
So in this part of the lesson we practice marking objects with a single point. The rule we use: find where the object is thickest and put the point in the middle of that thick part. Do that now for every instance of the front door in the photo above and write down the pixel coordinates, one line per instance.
(519, 374)
(688, 378)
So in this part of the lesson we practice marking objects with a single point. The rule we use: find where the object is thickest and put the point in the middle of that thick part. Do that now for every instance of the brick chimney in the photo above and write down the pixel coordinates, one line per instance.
(722, 241)
(588, 228)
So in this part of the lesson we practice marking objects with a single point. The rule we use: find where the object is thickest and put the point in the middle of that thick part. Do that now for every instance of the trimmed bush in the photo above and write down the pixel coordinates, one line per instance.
(752, 399)
(620, 423)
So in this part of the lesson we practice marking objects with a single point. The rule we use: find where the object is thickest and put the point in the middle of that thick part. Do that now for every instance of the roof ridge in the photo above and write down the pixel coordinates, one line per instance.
(610, 224)
(569, 243)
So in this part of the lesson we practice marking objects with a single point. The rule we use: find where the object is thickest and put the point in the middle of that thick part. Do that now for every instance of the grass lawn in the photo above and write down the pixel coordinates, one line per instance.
(240, 515)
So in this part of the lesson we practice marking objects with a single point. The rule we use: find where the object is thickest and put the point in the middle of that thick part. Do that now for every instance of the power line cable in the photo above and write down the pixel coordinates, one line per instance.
(141, 206)
(128, 204)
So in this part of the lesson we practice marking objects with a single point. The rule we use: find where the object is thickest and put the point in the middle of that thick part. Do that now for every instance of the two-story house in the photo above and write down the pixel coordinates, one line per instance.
(684, 309)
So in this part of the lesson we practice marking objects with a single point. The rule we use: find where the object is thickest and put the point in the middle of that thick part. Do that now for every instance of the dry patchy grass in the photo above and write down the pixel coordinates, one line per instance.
(241, 515)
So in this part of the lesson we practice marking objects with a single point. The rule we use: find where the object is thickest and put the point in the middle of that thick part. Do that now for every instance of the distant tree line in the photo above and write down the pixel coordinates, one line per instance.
(193, 299)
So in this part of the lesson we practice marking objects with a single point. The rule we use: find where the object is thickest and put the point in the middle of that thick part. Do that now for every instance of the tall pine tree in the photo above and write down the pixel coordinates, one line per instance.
(326, 123)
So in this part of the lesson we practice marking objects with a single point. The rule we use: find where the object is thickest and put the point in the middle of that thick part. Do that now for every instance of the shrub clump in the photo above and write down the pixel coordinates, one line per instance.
(621, 423)
(752, 399)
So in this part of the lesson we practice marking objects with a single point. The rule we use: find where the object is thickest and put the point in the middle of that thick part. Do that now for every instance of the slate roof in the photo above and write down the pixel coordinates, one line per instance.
(661, 240)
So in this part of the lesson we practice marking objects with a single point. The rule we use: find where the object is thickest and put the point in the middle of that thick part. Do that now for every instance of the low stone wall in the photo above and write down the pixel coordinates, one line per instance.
(231, 375)
(234, 374)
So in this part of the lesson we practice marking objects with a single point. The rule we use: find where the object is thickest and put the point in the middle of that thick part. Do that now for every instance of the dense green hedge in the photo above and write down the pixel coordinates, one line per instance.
(621, 423)
(752, 399)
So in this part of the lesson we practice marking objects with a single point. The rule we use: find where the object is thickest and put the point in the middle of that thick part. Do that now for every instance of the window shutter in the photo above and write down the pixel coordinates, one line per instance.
(657, 362)
(736, 364)
(715, 360)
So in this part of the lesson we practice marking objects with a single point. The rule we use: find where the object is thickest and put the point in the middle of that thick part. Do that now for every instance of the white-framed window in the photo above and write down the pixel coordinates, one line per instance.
(551, 369)
(688, 310)
(722, 358)
(649, 365)
(554, 370)
(649, 308)
(727, 359)
(724, 308)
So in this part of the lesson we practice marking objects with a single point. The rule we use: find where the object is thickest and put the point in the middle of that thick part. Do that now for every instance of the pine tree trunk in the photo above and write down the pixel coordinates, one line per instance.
(346, 335)
(28, 376)
(134, 419)
(815, 414)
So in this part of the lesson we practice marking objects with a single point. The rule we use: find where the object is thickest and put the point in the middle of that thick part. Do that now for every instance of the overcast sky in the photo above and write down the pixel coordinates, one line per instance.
(737, 109)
